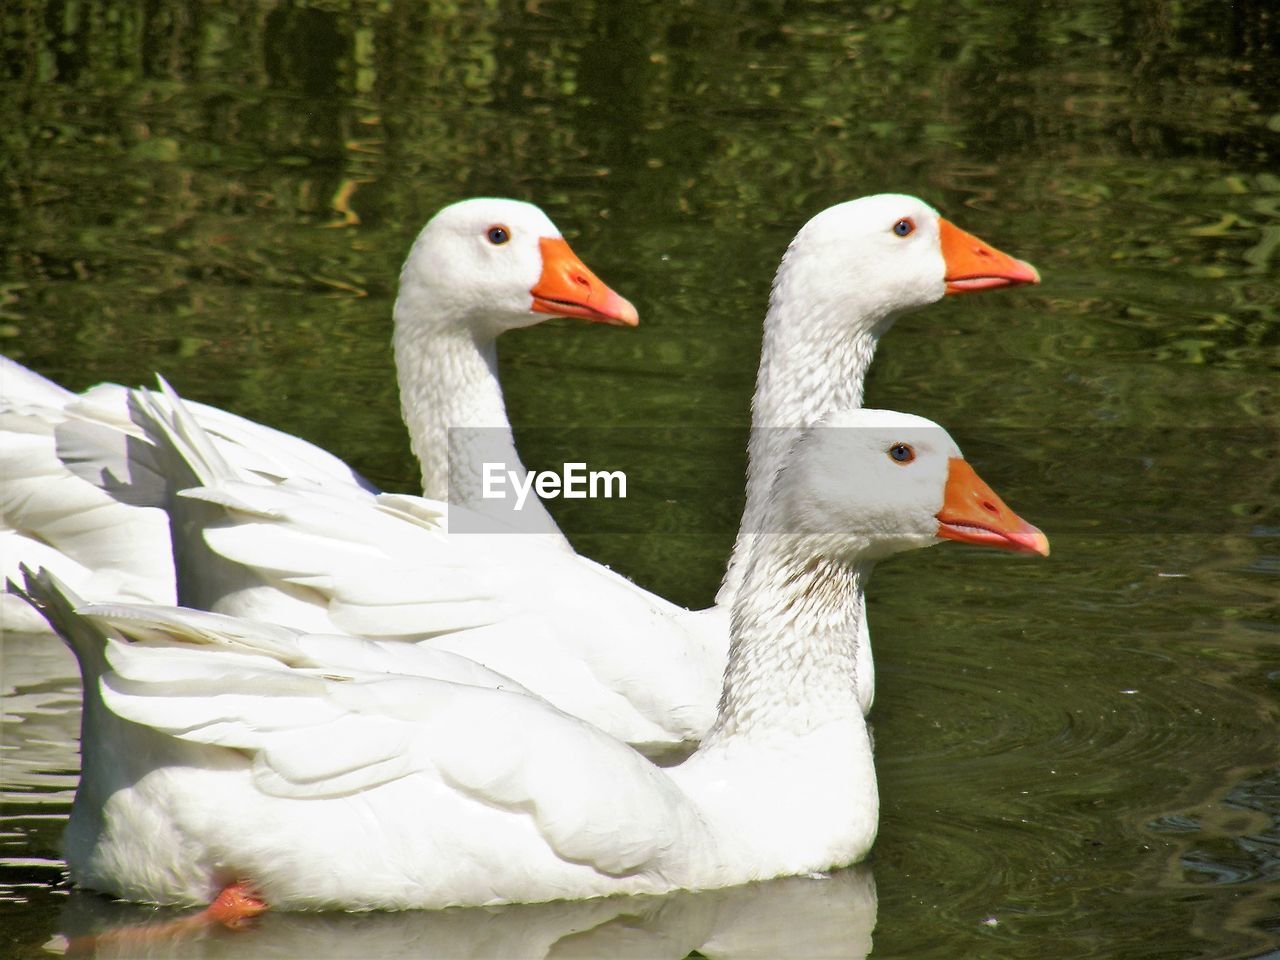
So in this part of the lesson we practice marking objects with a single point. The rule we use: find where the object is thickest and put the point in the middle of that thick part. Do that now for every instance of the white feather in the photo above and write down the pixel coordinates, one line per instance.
(335, 771)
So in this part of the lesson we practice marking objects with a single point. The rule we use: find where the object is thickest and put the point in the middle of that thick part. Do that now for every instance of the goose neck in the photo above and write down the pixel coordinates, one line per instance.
(793, 645)
(786, 776)
(448, 389)
(813, 360)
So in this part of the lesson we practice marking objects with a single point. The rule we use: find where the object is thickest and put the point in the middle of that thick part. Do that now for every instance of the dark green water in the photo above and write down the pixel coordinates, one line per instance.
(1077, 757)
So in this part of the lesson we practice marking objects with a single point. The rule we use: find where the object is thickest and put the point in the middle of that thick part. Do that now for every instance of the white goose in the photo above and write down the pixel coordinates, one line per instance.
(592, 643)
(80, 490)
(318, 772)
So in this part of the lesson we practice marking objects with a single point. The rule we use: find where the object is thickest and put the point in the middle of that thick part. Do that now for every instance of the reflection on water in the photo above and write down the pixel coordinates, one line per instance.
(830, 916)
(1077, 758)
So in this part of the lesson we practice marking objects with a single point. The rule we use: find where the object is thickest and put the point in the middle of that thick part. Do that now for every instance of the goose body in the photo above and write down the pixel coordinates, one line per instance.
(81, 492)
(333, 771)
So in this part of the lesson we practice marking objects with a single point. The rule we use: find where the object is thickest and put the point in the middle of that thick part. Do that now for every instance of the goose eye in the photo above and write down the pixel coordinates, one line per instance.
(904, 227)
(498, 235)
(902, 453)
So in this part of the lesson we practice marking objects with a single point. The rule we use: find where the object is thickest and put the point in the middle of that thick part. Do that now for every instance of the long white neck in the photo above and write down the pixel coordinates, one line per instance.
(786, 771)
(813, 359)
(452, 404)
(792, 652)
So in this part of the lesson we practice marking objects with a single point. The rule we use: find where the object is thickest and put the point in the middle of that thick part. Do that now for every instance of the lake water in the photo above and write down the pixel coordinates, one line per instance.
(1078, 757)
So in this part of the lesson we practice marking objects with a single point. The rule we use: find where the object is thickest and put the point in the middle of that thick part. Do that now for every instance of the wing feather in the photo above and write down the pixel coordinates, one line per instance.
(315, 728)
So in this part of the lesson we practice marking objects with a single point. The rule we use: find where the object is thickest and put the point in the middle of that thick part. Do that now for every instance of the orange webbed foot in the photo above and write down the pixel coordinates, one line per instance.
(235, 906)
(232, 909)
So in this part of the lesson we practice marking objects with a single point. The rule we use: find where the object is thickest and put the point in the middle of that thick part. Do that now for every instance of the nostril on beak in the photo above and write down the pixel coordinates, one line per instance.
(580, 280)
(990, 507)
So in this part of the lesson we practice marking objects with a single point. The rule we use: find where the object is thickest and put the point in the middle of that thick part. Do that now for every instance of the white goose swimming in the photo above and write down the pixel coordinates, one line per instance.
(332, 772)
(592, 643)
(79, 490)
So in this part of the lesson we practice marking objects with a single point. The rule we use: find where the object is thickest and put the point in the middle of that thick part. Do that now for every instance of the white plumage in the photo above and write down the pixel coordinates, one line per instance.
(338, 558)
(342, 772)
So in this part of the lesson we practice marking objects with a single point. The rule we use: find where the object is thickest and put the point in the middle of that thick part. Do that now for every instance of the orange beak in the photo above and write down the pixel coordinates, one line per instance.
(974, 265)
(568, 289)
(972, 513)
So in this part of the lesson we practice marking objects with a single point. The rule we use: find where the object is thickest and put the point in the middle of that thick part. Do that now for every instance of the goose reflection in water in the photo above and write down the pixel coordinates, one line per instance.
(831, 915)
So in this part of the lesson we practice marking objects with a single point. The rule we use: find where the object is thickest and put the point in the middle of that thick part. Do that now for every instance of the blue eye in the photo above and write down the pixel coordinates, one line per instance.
(498, 235)
(902, 453)
(904, 227)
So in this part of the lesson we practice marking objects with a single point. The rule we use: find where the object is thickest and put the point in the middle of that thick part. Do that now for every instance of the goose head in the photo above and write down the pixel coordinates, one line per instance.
(489, 265)
(865, 484)
(868, 259)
